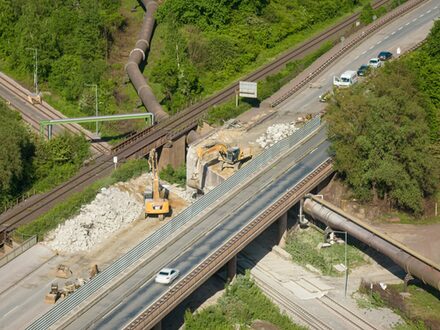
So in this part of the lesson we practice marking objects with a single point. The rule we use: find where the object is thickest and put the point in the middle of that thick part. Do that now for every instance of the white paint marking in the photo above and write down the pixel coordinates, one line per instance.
(400, 28)
(364, 52)
(379, 42)
(386, 37)
(428, 11)
(421, 15)
(415, 19)
(356, 57)
(393, 33)
(371, 47)
(407, 24)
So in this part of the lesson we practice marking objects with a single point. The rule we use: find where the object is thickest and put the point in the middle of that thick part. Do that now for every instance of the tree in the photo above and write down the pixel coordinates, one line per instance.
(381, 141)
(15, 155)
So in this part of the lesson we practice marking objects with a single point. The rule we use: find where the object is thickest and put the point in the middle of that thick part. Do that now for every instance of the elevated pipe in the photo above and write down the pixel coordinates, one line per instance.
(137, 56)
(410, 261)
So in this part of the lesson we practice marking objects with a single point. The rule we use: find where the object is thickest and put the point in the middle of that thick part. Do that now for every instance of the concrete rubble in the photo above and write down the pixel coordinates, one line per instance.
(275, 133)
(109, 211)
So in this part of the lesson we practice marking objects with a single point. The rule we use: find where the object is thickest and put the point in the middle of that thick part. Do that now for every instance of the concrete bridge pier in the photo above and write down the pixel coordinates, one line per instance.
(173, 153)
(231, 268)
(282, 230)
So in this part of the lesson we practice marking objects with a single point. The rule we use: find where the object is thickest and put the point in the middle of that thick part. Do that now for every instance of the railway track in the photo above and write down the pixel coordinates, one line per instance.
(185, 120)
(156, 136)
(277, 293)
(45, 111)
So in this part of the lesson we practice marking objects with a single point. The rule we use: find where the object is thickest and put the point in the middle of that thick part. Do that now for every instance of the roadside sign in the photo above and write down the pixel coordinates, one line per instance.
(398, 51)
(248, 89)
(115, 160)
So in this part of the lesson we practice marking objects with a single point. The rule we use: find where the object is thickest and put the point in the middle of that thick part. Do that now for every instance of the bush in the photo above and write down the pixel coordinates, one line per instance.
(242, 303)
(177, 176)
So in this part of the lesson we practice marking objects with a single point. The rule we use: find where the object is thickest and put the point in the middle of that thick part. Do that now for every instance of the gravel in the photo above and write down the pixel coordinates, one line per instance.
(111, 210)
(275, 133)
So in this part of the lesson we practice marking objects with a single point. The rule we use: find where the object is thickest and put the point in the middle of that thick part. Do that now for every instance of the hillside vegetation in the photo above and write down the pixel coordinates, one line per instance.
(386, 131)
(207, 43)
(73, 38)
(30, 163)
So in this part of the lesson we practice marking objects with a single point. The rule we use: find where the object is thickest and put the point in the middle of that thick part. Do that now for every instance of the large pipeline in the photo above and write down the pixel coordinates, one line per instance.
(410, 261)
(137, 56)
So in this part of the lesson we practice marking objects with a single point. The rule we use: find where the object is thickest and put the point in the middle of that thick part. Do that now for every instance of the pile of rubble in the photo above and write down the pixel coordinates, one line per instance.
(275, 133)
(109, 211)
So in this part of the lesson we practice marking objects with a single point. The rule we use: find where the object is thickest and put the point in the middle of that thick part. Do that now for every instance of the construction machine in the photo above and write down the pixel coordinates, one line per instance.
(229, 156)
(156, 201)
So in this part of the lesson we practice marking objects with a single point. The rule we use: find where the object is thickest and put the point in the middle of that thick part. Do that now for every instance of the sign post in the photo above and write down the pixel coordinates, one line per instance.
(115, 160)
(246, 89)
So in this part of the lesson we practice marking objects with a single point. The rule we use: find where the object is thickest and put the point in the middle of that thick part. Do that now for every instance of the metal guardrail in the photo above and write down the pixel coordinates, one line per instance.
(121, 264)
(18, 250)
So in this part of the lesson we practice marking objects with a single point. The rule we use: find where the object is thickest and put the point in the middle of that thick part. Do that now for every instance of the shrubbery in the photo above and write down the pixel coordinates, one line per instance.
(242, 303)
(177, 176)
(28, 162)
(385, 132)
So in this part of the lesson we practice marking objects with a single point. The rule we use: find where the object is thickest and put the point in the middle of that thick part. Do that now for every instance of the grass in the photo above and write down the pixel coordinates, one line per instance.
(302, 245)
(410, 219)
(241, 304)
(177, 176)
(419, 307)
(71, 206)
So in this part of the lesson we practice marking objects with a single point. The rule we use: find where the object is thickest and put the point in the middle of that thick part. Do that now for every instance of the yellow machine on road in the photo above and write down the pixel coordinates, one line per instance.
(156, 201)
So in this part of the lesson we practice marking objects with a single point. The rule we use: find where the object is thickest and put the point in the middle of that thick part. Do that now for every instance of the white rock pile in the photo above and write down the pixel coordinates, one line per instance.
(109, 211)
(275, 133)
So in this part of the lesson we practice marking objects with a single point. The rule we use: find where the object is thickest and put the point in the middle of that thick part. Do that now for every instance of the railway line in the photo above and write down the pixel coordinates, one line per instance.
(277, 293)
(45, 112)
(141, 143)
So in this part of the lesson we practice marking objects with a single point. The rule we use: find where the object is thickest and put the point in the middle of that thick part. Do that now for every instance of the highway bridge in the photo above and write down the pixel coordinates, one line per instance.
(259, 194)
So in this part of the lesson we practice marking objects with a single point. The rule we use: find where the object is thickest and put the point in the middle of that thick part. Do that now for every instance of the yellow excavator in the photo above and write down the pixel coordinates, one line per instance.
(156, 201)
(229, 156)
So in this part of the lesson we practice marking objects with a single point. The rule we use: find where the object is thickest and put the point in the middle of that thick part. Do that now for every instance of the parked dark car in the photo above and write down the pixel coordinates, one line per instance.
(384, 56)
(363, 70)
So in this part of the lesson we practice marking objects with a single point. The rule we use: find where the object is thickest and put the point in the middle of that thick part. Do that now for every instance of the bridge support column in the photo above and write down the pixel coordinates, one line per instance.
(158, 326)
(282, 230)
(173, 153)
(232, 268)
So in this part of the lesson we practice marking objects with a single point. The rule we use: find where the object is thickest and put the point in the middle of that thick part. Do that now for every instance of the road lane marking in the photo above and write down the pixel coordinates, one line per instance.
(407, 24)
(415, 19)
(364, 52)
(379, 42)
(393, 33)
(371, 47)
(386, 37)
(400, 28)
(356, 57)
(428, 11)
(422, 15)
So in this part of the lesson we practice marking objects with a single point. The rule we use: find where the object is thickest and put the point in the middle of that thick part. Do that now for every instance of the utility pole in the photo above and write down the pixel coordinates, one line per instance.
(96, 104)
(35, 50)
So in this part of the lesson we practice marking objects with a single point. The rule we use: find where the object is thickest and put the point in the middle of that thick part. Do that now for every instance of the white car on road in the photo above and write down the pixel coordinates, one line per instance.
(375, 63)
(166, 275)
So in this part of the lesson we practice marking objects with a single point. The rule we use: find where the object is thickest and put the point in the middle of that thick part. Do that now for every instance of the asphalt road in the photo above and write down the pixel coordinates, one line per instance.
(203, 238)
(404, 32)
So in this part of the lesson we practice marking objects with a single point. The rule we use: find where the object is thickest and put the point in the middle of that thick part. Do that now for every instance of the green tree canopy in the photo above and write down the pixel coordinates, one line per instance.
(15, 154)
(380, 136)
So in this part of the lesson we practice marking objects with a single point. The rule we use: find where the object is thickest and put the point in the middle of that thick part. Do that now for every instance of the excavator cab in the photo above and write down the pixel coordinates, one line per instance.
(232, 154)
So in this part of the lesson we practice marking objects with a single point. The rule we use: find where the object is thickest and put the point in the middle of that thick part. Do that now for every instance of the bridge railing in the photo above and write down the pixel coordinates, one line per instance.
(62, 308)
